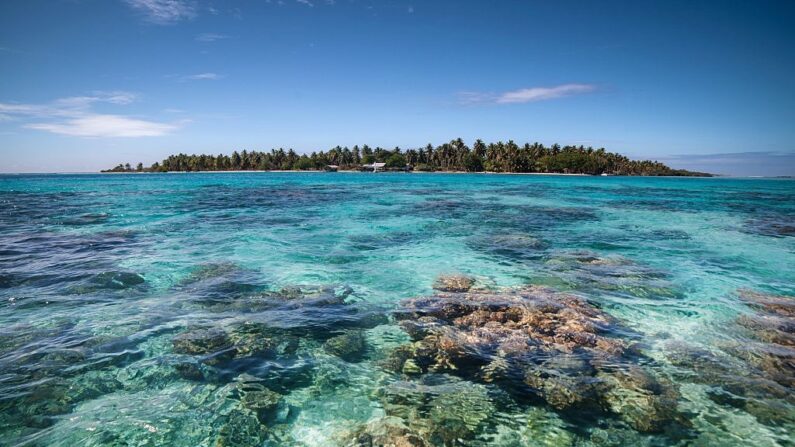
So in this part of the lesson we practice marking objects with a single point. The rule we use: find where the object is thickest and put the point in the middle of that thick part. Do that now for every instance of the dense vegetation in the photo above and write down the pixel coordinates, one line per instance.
(452, 156)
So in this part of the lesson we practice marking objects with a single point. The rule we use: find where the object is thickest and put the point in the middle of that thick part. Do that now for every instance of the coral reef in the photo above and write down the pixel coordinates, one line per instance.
(349, 346)
(110, 280)
(771, 334)
(539, 344)
(440, 409)
(453, 283)
(256, 397)
(388, 431)
(755, 370)
(589, 271)
(512, 246)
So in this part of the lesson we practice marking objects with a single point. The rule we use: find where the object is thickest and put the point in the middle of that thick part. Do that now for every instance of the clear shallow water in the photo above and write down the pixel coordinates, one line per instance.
(198, 309)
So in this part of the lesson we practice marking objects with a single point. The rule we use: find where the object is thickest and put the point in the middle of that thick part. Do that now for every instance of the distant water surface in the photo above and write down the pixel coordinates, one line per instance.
(258, 308)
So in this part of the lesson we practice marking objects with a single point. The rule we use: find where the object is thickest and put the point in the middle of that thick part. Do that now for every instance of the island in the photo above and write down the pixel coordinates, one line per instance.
(454, 156)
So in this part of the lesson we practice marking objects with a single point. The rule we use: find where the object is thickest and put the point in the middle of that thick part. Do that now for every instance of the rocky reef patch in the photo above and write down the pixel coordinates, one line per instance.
(274, 326)
(589, 271)
(542, 347)
(436, 409)
(755, 369)
(509, 246)
(773, 226)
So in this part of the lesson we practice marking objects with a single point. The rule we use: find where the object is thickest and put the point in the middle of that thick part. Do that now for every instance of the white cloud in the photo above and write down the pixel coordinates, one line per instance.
(524, 95)
(105, 126)
(69, 106)
(116, 97)
(475, 97)
(210, 37)
(74, 116)
(306, 2)
(164, 12)
(203, 77)
(9, 110)
(543, 93)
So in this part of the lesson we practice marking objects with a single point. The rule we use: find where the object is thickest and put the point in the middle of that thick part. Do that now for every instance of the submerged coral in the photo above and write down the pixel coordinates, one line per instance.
(272, 333)
(453, 283)
(201, 341)
(255, 396)
(511, 246)
(772, 331)
(772, 225)
(439, 408)
(774, 305)
(349, 346)
(756, 370)
(220, 284)
(110, 280)
(588, 270)
(388, 431)
(538, 344)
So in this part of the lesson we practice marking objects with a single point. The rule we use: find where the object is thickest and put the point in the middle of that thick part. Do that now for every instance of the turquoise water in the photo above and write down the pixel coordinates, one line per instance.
(258, 308)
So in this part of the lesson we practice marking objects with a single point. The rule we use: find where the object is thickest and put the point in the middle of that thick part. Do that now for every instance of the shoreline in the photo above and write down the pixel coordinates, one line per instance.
(366, 172)
(718, 176)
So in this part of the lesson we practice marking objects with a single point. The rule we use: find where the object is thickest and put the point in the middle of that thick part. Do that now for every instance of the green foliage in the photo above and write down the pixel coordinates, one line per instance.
(452, 156)
(473, 163)
(304, 164)
(396, 161)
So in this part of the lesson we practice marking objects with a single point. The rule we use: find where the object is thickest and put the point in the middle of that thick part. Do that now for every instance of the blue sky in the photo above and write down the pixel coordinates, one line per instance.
(90, 83)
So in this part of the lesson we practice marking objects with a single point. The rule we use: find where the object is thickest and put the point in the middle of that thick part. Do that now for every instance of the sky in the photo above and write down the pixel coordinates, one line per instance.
(87, 84)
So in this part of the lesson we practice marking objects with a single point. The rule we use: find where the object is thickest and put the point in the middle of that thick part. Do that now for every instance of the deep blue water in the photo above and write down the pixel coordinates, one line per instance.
(153, 309)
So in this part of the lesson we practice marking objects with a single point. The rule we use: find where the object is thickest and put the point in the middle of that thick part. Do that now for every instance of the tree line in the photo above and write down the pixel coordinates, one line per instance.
(452, 156)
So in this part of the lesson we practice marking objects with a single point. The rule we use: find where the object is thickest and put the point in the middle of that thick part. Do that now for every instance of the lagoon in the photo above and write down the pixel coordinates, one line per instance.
(277, 308)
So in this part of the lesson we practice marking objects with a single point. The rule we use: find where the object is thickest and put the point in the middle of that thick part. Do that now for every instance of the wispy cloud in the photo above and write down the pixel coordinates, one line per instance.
(203, 77)
(468, 98)
(114, 97)
(69, 106)
(543, 93)
(210, 37)
(105, 126)
(309, 3)
(532, 94)
(164, 12)
(75, 116)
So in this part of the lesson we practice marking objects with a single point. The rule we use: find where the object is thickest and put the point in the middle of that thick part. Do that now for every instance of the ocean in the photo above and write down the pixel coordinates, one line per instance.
(325, 309)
